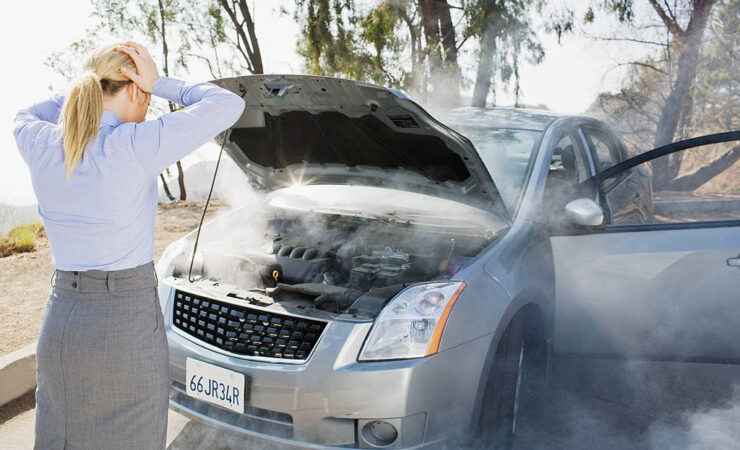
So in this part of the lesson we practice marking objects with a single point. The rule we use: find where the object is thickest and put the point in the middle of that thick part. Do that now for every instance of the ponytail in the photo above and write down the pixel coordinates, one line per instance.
(81, 118)
(84, 104)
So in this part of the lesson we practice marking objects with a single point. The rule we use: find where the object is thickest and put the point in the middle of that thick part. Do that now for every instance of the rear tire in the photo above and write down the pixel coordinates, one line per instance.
(514, 384)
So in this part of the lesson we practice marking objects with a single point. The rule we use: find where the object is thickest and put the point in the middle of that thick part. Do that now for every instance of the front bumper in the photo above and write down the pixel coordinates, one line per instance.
(327, 400)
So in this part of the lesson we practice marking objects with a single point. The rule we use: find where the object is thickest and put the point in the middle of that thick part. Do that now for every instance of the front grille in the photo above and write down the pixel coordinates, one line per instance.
(245, 331)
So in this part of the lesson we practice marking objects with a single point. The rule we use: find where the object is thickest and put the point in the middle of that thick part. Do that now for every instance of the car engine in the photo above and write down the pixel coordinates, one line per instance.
(333, 263)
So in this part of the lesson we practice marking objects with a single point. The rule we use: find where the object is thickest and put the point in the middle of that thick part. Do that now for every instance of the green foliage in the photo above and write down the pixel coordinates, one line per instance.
(331, 45)
(507, 28)
(716, 95)
(20, 239)
(385, 42)
(623, 9)
(339, 40)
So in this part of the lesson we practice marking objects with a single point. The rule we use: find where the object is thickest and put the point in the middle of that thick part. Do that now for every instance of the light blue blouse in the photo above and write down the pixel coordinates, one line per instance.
(103, 216)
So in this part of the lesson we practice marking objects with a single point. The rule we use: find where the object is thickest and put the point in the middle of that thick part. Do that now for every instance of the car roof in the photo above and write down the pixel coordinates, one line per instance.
(498, 117)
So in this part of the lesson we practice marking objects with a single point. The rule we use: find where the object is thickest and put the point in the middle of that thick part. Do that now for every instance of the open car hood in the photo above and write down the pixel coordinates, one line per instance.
(299, 129)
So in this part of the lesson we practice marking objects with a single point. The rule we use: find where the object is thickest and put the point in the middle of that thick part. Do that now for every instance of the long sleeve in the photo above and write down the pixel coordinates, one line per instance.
(35, 124)
(208, 111)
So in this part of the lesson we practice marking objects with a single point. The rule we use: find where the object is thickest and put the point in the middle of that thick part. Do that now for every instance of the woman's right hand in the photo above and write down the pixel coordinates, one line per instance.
(146, 70)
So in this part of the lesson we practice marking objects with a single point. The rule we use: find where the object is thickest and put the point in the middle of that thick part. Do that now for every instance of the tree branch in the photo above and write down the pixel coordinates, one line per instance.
(241, 37)
(646, 65)
(639, 41)
(637, 109)
(669, 23)
(702, 175)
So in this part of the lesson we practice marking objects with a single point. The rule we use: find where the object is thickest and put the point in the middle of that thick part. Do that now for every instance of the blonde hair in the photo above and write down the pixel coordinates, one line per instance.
(84, 103)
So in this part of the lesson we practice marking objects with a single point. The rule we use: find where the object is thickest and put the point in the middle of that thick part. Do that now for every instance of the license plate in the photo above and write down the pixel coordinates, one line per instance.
(216, 385)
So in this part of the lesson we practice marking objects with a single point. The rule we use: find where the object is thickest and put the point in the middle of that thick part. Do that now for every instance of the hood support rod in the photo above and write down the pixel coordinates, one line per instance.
(208, 200)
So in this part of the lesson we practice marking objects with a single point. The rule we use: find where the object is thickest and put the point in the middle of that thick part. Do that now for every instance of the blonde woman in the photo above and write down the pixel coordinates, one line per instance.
(94, 161)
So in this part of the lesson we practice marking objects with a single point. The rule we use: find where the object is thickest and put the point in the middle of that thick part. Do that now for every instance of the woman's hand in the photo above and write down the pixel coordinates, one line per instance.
(146, 70)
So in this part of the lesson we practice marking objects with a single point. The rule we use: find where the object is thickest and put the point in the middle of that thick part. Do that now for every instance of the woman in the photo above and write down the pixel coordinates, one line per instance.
(102, 353)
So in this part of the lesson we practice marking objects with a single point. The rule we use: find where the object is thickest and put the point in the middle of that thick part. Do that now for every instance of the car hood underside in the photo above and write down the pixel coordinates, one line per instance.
(318, 130)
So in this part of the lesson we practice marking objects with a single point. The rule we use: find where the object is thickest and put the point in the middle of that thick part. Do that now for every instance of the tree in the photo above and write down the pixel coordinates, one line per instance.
(441, 49)
(405, 44)
(505, 36)
(414, 44)
(246, 43)
(673, 94)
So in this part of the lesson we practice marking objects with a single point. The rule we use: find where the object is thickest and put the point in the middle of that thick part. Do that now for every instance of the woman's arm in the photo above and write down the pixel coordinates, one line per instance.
(35, 121)
(208, 111)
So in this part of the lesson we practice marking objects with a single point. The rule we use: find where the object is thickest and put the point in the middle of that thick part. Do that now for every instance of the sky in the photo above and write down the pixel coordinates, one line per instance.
(572, 74)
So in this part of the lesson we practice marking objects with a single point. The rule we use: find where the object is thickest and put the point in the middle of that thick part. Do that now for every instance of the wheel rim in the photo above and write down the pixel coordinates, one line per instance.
(519, 370)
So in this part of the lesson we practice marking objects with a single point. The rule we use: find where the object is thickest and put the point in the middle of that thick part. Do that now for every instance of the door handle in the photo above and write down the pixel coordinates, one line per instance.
(734, 262)
(637, 199)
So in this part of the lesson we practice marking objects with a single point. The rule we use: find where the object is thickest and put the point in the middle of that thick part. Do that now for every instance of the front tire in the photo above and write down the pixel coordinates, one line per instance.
(514, 384)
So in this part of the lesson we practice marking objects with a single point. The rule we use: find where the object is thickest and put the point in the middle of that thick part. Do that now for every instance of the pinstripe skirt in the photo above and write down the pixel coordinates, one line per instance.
(102, 369)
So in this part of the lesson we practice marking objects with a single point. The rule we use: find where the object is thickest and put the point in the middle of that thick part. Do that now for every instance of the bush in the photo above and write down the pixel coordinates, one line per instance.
(20, 239)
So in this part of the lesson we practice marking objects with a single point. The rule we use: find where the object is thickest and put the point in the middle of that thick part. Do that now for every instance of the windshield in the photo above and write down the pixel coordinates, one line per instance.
(388, 205)
(506, 153)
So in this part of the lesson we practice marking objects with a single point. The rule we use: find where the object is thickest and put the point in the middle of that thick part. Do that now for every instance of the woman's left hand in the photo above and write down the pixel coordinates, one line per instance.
(146, 70)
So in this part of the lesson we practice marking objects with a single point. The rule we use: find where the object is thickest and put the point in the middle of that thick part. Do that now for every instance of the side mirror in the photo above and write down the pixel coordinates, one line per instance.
(584, 211)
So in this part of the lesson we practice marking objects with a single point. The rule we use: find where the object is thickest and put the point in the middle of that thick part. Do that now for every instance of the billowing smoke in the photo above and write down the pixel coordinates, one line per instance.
(598, 403)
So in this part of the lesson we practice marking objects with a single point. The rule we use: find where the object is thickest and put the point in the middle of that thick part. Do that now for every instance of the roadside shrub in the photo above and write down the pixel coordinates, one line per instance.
(20, 239)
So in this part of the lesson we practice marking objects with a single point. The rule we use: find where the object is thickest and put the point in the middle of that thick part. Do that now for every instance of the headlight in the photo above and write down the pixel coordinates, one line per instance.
(411, 325)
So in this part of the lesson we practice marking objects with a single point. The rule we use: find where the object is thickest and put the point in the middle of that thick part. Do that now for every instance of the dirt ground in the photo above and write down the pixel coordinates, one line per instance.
(25, 279)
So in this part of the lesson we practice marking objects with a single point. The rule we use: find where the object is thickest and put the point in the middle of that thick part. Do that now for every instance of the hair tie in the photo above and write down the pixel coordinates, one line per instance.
(90, 73)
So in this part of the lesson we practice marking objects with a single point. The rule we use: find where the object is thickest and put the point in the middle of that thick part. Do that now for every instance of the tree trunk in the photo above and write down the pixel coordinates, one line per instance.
(166, 70)
(166, 188)
(246, 41)
(255, 54)
(485, 67)
(416, 54)
(181, 181)
(704, 174)
(449, 44)
(430, 24)
(678, 100)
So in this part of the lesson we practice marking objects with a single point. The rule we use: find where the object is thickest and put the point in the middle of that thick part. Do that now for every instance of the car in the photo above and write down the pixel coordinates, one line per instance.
(406, 282)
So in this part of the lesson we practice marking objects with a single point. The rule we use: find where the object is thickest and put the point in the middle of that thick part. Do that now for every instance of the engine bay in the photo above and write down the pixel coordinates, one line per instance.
(327, 262)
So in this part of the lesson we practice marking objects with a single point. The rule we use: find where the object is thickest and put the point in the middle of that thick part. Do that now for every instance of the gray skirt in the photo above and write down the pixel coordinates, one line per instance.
(102, 368)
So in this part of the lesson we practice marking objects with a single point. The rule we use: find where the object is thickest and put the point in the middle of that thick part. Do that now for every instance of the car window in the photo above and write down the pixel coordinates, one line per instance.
(604, 146)
(693, 185)
(568, 168)
(506, 154)
(569, 158)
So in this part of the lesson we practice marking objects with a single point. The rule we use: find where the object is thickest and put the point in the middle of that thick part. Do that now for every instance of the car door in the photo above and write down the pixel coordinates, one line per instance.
(662, 290)
(628, 194)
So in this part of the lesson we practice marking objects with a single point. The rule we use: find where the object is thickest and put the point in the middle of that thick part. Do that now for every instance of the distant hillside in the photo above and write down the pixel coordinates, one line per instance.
(11, 216)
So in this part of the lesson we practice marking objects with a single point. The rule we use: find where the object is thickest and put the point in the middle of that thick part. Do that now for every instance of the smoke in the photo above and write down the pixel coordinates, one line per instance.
(717, 428)
(588, 404)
